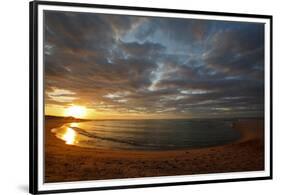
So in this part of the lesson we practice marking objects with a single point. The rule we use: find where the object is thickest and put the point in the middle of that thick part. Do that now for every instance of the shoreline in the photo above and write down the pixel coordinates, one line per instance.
(73, 163)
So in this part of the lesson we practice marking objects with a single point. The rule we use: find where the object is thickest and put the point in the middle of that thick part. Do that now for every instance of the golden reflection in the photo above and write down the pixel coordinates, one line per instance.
(69, 136)
(74, 125)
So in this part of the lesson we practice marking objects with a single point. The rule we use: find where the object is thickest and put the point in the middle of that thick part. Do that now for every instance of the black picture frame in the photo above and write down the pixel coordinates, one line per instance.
(33, 96)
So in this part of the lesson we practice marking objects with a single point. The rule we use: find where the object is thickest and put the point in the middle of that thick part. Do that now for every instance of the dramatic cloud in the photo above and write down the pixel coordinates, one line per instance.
(152, 65)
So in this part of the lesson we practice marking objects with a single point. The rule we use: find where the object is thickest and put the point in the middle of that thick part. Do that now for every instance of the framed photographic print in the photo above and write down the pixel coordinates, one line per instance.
(127, 97)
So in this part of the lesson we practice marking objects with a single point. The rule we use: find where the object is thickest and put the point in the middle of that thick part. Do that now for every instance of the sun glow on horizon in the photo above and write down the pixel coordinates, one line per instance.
(76, 111)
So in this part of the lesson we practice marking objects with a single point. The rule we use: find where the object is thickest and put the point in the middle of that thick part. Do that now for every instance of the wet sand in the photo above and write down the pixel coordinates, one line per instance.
(72, 163)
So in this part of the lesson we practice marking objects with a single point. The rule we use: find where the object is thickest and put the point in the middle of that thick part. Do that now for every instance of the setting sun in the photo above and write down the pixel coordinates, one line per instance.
(76, 111)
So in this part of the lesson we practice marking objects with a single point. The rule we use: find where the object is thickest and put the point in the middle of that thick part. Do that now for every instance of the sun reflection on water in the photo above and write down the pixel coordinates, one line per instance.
(69, 136)
(74, 125)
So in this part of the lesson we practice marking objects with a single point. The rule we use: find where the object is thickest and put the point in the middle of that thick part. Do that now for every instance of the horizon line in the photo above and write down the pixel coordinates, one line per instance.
(247, 117)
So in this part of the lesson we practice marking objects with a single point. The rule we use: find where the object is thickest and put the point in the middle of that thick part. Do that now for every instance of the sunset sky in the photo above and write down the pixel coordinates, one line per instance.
(117, 66)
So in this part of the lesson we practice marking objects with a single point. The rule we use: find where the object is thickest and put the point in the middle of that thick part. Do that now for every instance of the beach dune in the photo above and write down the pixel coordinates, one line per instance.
(72, 163)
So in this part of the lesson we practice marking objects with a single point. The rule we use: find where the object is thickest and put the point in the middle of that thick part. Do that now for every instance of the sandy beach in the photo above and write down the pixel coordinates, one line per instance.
(72, 163)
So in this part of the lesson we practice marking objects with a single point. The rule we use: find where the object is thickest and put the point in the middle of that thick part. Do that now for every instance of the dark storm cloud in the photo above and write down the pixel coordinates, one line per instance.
(154, 65)
(237, 51)
(142, 49)
(175, 28)
(66, 30)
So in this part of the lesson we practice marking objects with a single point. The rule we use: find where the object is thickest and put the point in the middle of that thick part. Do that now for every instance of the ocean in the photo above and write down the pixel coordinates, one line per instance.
(164, 134)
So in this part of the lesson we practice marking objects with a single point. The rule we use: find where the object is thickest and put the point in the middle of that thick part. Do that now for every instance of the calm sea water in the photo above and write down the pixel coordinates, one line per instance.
(148, 134)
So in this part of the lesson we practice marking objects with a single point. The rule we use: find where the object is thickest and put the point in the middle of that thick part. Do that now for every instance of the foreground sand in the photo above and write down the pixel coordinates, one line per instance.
(71, 163)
